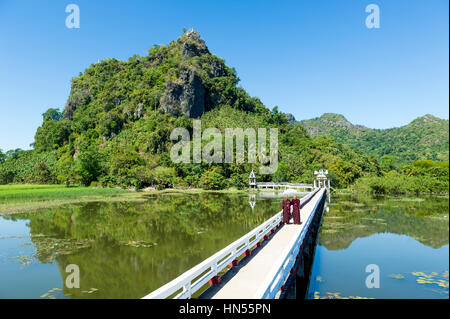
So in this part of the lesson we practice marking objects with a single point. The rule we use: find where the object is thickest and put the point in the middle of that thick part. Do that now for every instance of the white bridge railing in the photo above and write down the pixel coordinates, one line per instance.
(281, 270)
(192, 280)
(271, 185)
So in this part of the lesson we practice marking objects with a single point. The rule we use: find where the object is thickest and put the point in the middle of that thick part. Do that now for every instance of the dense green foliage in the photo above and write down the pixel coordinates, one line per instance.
(416, 177)
(425, 138)
(115, 128)
(28, 167)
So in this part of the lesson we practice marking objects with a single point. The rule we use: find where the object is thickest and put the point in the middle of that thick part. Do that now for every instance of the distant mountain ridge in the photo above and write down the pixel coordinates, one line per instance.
(425, 138)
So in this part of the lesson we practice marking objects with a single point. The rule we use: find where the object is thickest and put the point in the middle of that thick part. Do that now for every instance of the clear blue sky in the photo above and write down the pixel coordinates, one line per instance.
(307, 57)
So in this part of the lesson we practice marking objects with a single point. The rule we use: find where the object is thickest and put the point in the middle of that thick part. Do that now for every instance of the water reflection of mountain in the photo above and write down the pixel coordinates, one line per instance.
(424, 219)
(126, 250)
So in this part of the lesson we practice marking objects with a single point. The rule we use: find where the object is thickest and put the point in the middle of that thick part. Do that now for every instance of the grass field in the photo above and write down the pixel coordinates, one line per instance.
(20, 198)
(27, 197)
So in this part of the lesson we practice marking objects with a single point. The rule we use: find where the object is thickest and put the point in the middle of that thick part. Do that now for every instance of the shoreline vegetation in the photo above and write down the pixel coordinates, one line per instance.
(20, 198)
(417, 177)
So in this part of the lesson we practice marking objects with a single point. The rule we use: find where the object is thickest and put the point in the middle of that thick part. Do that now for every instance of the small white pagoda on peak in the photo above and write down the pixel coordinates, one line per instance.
(321, 179)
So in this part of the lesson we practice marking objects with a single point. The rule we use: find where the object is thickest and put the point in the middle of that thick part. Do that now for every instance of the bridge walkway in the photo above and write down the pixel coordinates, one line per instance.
(255, 276)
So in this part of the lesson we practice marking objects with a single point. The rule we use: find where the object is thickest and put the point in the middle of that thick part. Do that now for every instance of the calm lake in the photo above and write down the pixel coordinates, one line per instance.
(128, 249)
(123, 249)
(407, 238)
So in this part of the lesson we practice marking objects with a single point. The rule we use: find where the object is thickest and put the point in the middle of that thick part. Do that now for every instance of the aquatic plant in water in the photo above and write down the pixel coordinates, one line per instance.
(432, 278)
(51, 294)
(48, 248)
(336, 295)
(397, 276)
(438, 282)
(139, 243)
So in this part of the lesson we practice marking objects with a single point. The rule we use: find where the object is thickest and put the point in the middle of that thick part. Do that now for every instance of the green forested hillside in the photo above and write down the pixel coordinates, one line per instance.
(425, 138)
(115, 128)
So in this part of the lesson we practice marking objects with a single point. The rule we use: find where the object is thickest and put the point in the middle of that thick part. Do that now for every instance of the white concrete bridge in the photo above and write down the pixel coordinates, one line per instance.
(320, 181)
(263, 275)
(283, 186)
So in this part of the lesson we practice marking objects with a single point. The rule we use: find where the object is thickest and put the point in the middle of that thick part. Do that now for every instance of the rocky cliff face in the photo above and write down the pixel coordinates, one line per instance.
(185, 97)
(192, 45)
(189, 94)
(78, 96)
(291, 118)
(181, 79)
